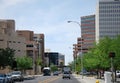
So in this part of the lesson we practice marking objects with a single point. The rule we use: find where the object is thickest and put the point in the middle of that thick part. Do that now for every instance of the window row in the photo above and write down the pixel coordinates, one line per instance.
(111, 36)
(14, 42)
(89, 32)
(105, 3)
(109, 15)
(109, 11)
(110, 19)
(109, 27)
(109, 23)
(88, 22)
(86, 19)
(109, 6)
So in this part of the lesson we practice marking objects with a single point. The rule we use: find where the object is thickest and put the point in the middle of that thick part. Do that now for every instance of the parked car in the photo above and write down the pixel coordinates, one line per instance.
(3, 78)
(9, 77)
(118, 74)
(17, 76)
(56, 73)
(66, 75)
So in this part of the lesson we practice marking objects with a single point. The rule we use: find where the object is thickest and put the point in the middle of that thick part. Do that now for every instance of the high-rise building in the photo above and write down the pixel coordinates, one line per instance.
(88, 33)
(34, 46)
(9, 38)
(75, 50)
(31, 51)
(107, 19)
(34, 43)
(55, 58)
(87, 40)
(61, 60)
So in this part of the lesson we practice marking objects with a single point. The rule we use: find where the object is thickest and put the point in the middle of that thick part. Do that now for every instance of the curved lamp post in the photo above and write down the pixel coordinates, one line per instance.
(80, 46)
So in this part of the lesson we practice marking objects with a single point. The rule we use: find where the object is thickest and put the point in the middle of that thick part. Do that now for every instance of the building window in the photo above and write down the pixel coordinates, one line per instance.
(9, 41)
(1, 40)
(29, 45)
(18, 50)
(18, 42)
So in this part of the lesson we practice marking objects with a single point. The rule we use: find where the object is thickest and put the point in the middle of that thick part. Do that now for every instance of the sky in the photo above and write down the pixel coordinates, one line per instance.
(50, 18)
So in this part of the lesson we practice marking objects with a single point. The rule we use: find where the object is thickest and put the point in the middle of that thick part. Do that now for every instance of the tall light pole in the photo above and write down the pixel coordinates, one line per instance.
(34, 58)
(80, 46)
(38, 40)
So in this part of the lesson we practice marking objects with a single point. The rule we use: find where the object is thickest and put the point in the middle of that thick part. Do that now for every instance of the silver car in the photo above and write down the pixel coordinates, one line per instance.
(9, 77)
(17, 76)
(66, 75)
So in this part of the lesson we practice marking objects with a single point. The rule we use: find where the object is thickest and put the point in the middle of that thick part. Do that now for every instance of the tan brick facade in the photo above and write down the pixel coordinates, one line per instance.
(9, 38)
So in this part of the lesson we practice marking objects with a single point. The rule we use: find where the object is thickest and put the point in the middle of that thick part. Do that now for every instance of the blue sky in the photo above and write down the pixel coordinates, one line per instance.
(50, 17)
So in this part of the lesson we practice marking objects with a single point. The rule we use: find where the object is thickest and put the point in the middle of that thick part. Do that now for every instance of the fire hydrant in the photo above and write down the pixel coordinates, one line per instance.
(97, 81)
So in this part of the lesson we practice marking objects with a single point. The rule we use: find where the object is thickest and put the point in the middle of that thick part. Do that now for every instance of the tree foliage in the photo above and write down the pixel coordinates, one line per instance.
(6, 57)
(98, 56)
(53, 68)
(24, 63)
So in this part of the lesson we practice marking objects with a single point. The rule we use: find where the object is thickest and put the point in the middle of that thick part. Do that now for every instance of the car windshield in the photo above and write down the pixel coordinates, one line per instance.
(16, 73)
(66, 72)
(1, 75)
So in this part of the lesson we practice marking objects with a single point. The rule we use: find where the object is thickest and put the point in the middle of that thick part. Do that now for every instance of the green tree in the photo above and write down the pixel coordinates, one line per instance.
(39, 61)
(7, 57)
(53, 68)
(115, 47)
(90, 61)
(98, 57)
(24, 63)
(101, 52)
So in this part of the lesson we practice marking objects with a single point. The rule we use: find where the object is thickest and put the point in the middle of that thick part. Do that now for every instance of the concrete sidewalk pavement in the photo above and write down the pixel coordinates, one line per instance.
(88, 79)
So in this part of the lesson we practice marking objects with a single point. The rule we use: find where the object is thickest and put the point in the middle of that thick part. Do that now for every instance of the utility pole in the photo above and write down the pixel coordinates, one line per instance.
(81, 45)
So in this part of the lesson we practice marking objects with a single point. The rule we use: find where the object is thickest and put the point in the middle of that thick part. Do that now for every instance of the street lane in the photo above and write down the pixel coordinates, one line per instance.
(51, 79)
(61, 80)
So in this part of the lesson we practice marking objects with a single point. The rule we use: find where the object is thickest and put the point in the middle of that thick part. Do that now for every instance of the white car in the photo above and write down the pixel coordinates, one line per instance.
(17, 76)
(118, 74)
(9, 77)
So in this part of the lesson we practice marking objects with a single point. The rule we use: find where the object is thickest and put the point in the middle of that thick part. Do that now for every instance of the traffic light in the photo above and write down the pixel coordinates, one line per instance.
(112, 54)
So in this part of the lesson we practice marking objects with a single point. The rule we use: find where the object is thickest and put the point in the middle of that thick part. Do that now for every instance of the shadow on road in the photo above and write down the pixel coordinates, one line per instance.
(29, 78)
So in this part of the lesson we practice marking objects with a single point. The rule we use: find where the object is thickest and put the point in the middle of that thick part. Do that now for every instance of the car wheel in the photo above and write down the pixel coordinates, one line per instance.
(21, 79)
(12, 81)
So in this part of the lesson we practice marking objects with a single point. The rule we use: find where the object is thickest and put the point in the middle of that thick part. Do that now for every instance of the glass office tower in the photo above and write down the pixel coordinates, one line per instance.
(107, 19)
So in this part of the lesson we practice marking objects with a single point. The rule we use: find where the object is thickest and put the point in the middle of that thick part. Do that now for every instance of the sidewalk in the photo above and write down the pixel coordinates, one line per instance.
(89, 79)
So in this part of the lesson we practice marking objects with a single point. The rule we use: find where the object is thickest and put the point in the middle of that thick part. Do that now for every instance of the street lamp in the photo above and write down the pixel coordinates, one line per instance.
(36, 56)
(80, 46)
(39, 40)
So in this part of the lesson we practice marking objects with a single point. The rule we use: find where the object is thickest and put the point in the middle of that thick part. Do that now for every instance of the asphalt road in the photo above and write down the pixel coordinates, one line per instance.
(50, 79)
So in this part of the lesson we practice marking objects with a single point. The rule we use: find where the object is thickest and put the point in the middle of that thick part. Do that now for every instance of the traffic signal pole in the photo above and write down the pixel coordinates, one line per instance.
(112, 55)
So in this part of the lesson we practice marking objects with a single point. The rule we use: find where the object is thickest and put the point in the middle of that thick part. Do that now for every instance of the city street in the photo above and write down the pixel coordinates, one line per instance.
(58, 79)
(59, 41)
(50, 79)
